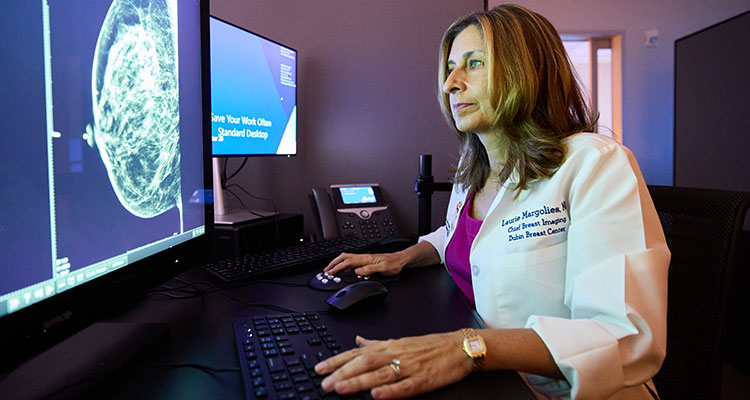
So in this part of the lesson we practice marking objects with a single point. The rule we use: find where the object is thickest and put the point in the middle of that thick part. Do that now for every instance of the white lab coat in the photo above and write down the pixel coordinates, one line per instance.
(581, 259)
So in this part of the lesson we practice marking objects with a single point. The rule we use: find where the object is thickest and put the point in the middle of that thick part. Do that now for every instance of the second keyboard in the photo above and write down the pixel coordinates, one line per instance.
(256, 265)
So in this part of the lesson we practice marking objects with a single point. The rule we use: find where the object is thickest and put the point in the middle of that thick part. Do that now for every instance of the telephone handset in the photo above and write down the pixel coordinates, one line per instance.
(352, 210)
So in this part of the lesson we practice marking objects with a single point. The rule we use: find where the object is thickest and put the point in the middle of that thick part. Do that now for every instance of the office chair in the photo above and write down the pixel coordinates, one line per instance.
(702, 228)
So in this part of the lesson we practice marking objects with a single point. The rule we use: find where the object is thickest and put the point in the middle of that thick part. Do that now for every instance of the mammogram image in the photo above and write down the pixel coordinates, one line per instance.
(134, 87)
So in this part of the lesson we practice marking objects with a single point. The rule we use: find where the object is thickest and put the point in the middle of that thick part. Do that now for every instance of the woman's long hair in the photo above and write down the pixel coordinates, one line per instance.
(537, 100)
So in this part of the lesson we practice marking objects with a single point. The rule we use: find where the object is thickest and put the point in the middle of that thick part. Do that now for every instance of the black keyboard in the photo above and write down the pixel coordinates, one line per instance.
(255, 265)
(278, 354)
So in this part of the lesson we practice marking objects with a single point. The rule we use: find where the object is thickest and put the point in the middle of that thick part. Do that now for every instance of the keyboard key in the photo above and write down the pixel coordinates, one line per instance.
(271, 353)
(281, 376)
(261, 392)
(307, 361)
(296, 370)
(305, 387)
(275, 365)
(282, 385)
(291, 362)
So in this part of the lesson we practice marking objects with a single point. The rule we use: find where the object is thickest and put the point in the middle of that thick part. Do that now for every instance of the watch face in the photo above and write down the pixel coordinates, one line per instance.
(475, 346)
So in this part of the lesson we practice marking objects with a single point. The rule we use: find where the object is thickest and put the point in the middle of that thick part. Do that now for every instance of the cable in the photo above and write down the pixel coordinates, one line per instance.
(213, 288)
(273, 203)
(256, 197)
(226, 186)
(241, 202)
(227, 178)
(237, 284)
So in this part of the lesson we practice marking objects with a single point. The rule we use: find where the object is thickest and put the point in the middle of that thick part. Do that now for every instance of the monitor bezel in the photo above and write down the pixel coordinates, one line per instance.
(296, 95)
(39, 326)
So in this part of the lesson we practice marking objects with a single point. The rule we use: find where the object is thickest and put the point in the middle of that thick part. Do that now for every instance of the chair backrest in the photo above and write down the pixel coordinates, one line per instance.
(702, 228)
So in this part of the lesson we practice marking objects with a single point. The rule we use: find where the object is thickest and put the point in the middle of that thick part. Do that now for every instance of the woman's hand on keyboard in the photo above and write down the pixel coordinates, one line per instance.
(425, 363)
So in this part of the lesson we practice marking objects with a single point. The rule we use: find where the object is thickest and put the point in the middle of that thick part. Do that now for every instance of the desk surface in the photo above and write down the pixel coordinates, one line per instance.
(421, 301)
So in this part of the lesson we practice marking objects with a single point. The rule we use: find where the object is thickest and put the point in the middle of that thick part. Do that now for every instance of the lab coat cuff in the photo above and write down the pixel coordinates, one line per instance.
(436, 239)
(586, 354)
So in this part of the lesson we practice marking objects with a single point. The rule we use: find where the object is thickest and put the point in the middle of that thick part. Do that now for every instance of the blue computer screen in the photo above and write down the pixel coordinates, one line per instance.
(253, 93)
(357, 195)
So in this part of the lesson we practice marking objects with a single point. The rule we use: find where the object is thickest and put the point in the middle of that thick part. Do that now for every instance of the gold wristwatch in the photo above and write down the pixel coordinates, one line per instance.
(475, 348)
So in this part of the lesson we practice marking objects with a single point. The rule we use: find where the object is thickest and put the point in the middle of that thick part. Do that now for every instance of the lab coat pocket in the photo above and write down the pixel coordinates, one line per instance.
(530, 283)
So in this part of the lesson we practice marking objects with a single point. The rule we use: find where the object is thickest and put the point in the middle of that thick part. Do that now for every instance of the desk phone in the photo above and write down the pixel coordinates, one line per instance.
(352, 210)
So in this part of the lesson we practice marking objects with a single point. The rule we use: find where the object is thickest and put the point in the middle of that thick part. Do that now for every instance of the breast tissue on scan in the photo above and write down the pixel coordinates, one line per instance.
(134, 87)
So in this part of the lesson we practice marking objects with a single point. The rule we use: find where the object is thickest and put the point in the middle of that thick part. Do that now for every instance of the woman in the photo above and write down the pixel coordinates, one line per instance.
(550, 231)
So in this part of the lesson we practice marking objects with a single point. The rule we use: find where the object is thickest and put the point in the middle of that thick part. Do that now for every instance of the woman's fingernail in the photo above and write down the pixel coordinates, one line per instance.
(320, 367)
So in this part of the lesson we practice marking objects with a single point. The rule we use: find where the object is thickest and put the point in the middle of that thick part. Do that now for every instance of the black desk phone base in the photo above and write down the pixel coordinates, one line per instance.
(352, 210)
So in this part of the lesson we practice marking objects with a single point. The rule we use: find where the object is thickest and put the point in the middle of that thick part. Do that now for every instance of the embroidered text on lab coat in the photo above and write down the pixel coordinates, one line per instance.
(547, 220)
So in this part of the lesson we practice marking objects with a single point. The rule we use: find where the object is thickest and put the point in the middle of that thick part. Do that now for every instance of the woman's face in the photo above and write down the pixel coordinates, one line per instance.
(466, 82)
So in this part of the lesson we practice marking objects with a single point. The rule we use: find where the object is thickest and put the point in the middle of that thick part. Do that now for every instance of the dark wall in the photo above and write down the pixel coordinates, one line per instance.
(366, 98)
(712, 99)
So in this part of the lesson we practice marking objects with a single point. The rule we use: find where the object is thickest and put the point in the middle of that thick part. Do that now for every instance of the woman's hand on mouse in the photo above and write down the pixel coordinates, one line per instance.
(368, 264)
(425, 363)
(419, 255)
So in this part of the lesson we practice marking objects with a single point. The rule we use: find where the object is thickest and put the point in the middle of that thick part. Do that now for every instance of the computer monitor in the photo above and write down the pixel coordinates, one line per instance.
(254, 93)
(105, 159)
(253, 103)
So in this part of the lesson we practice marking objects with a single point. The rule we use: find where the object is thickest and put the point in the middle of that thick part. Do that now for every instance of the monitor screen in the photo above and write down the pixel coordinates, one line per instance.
(253, 93)
(104, 160)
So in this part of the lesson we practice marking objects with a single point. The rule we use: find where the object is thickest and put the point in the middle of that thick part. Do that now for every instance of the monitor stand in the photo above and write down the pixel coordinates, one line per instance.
(70, 368)
(222, 214)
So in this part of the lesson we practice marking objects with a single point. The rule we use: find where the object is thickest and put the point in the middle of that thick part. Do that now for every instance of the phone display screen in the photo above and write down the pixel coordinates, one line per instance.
(357, 195)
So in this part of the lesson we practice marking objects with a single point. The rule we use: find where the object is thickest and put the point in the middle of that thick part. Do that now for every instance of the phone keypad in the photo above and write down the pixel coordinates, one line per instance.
(369, 229)
(377, 227)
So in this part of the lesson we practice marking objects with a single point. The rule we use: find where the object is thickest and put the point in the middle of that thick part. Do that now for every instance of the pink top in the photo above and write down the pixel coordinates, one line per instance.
(457, 252)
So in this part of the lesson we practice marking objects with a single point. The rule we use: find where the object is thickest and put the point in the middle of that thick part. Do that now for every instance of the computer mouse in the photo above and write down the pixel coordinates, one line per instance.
(332, 283)
(358, 295)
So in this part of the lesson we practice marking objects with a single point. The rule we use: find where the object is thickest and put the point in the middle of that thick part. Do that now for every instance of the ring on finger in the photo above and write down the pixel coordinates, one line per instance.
(396, 367)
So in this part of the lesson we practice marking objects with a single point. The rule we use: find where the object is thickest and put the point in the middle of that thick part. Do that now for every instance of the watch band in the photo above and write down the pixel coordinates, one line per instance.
(475, 348)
